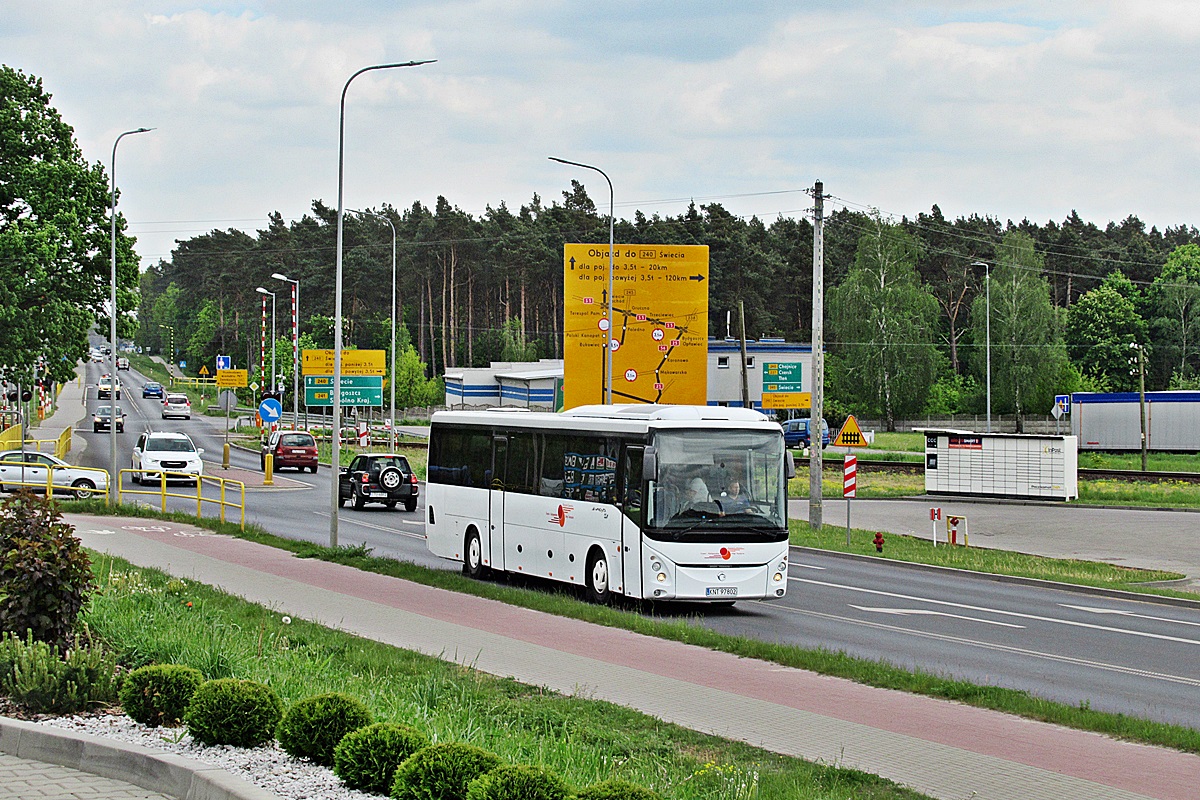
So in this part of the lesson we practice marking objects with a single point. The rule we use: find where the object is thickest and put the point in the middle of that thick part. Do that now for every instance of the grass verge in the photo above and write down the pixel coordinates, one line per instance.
(145, 615)
(562, 601)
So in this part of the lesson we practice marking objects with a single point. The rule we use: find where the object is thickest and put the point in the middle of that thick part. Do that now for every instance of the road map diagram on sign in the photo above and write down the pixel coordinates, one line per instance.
(660, 339)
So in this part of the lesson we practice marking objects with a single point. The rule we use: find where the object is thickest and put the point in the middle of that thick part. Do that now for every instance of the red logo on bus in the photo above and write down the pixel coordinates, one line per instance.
(562, 515)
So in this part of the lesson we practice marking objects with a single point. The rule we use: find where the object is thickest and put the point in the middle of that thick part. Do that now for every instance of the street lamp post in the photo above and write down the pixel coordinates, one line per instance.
(392, 381)
(608, 351)
(337, 302)
(170, 329)
(114, 472)
(274, 378)
(987, 272)
(1141, 366)
(295, 346)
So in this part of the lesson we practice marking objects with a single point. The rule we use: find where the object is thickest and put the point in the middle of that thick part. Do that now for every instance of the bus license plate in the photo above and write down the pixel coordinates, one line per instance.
(720, 591)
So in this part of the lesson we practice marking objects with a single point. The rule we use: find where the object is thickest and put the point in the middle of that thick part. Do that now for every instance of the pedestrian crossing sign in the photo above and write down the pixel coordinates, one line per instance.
(850, 435)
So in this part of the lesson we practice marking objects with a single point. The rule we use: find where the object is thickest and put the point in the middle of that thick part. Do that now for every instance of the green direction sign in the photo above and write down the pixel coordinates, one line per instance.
(781, 377)
(357, 390)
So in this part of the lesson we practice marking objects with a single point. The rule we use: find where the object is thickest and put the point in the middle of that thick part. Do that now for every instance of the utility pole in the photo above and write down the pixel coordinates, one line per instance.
(815, 429)
(745, 378)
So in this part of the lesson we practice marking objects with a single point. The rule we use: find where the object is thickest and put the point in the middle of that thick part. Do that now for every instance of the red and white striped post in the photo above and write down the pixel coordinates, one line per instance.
(262, 343)
(849, 487)
(296, 354)
(935, 516)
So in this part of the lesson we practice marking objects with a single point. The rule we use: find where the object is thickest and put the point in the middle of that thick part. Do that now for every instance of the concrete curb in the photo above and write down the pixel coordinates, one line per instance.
(164, 773)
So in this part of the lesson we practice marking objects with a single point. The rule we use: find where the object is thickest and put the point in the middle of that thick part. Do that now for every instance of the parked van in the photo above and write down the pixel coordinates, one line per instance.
(796, 433)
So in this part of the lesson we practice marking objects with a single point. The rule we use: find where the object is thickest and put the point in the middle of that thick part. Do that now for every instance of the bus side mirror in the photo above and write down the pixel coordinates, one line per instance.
(649, 464)
(789, 464)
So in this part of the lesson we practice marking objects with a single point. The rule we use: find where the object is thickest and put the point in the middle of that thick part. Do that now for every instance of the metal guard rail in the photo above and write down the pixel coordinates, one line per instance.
(161, 477)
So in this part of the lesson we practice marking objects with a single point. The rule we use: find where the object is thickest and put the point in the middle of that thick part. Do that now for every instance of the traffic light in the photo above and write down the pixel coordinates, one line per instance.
(26, 394)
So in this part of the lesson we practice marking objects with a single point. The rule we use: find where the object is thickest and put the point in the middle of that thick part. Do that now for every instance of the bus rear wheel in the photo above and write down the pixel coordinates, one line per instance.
(598, 589)
(473, 556)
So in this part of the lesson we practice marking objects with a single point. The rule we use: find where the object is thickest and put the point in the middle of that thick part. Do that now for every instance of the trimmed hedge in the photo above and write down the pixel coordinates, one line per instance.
(617, 789)
(442, 771)
(313, 727)
(159, 694)
(366, 759)
(232, 711)
(517, 782)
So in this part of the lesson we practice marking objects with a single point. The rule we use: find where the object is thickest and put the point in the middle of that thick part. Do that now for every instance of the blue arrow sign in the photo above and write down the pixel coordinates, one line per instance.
(271, 410)
(224, 362)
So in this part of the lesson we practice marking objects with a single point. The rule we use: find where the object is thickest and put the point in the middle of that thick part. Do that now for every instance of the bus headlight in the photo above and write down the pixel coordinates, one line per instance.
(655, 565)
(778, 577)
(662, 577)
(782, 566)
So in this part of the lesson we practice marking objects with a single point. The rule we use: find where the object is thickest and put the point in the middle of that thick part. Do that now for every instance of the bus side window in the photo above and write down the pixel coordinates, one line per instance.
(631, 484)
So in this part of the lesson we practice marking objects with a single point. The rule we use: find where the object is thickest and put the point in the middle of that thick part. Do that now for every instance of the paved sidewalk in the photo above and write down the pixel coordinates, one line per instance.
(943, 749)
(24, 779)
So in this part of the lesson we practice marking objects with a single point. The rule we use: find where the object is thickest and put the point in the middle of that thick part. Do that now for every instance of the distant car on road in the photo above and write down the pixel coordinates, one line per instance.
(378, 478)
(122, 363)
(177, 405)
(107, 386)
(796, 433)
(34, 466)
(101, 420)
(290, 449)
(153, 389)
(165, 451)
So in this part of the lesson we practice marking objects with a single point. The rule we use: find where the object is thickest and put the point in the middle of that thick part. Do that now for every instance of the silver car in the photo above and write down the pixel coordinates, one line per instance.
(28, 470)
(177, 405)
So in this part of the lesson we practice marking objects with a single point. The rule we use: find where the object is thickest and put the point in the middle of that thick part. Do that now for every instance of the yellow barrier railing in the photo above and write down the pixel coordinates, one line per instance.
(36, 444)
(83, 483)
(10, 438)
(194, 383)
(161, 478)
(64, 442)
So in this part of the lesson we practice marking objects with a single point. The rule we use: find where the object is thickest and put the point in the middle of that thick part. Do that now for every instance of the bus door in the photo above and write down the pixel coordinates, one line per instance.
(632, 492)
(495, 543)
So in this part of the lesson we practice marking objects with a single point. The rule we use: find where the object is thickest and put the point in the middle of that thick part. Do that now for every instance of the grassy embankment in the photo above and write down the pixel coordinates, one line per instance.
(677, 624)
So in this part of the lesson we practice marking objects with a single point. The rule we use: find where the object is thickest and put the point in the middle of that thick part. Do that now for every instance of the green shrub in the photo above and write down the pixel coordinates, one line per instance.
(45, 574)
(40, 679)
(313, 727)
(232, 711)
(441, 771)
(159, 694)
(366, 759)
(517, 782)
(617, 789)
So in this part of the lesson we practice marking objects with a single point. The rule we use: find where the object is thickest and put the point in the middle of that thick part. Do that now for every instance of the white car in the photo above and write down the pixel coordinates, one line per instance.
(27, 470)
(161, 451)
(177, 405)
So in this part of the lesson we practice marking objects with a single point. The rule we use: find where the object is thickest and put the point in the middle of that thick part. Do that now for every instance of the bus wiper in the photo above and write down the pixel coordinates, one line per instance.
(683, 531)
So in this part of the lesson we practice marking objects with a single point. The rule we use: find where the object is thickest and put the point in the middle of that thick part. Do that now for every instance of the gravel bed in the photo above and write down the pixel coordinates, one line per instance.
(267, 767)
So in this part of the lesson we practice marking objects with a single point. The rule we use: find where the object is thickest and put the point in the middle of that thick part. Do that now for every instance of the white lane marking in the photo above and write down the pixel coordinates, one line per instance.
(808, 566)
(343, 518)
(926, 612)
(945, 637)
(1016, 614)
(1120, 613)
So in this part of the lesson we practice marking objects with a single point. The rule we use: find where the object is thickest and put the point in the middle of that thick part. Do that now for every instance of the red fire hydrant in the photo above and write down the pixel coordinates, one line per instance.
(879, 541)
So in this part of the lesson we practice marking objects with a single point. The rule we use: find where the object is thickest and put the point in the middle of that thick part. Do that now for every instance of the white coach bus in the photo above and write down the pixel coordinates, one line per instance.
(652, 502)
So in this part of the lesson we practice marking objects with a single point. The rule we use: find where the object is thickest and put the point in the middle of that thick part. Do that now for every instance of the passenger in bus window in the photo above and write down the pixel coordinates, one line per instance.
(697, 493)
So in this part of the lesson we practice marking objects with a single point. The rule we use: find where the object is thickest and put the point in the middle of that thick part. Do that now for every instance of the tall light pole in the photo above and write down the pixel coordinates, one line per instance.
(274, 379)
(608, 351)
(337, 302)
(1141, 359)
(114, 471)
(392, 381)
(170, 329)
(295, 347)
(987, 280)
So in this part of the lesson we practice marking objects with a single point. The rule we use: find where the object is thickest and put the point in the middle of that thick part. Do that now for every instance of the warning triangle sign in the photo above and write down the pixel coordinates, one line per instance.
(203, 369)
(850, 435)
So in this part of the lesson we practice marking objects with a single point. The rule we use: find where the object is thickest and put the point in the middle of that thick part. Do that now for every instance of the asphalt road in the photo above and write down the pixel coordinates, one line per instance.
(1125, 656)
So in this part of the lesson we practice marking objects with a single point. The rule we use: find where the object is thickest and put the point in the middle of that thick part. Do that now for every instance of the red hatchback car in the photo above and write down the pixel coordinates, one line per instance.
(290, 449)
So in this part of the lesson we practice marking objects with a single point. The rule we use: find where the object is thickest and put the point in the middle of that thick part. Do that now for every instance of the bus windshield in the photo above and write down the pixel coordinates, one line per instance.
(718, 482)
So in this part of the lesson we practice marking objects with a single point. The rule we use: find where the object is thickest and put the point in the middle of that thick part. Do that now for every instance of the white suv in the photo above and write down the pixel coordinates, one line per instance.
(177, 405)
(170, 452)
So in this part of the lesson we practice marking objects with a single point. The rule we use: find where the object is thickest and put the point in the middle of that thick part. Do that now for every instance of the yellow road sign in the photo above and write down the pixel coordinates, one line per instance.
(232, 378)
(203, 369)
(354, 362)
(850, 435)
(787, 400)
(659, 330)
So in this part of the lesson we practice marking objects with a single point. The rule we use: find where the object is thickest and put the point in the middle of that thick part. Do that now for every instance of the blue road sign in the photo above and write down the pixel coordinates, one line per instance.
(224, 362)
(1063, 401)
(271, 410)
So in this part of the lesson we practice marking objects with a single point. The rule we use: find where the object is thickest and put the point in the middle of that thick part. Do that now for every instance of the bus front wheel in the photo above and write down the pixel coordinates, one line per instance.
(598, 588)
(473, 556)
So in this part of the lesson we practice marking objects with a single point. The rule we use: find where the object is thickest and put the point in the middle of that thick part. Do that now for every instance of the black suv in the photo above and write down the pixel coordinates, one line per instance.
(378, 478)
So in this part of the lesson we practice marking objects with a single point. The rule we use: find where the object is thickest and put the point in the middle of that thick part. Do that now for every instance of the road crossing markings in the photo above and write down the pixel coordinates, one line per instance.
(926, 612)
(1016, 614)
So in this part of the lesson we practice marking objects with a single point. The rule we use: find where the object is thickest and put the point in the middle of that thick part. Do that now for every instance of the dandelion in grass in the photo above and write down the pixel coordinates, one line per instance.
(286, 620)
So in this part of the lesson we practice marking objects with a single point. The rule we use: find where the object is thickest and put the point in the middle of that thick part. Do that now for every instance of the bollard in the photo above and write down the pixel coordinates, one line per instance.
(269, 477)
(879, 541)
(225, 456)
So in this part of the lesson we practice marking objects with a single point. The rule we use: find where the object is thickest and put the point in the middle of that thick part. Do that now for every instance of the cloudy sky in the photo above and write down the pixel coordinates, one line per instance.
(1017, 109)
